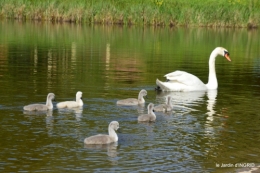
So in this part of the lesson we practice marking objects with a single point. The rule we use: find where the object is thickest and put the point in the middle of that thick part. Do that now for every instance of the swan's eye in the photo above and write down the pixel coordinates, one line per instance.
(225, 52)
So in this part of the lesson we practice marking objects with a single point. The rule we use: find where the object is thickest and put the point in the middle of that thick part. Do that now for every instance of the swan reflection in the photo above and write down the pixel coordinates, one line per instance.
(47, 112)
(111, 148)
(49, 118)
(182, 101)
(147, 123)
(49, 123)
(212, 94)
(77, 111)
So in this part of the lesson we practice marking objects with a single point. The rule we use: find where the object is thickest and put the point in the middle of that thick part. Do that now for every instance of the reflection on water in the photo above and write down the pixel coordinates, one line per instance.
(107, 56)
(78, 114)
(49, 118)
(212, 97)
(111, 150)
(184, 101)
(49, 124)
(107, 63)
(150, 123)
(77, 111)
(48, 113)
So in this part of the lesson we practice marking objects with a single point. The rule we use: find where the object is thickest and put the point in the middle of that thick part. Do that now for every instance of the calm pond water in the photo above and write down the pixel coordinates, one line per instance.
(109, 63)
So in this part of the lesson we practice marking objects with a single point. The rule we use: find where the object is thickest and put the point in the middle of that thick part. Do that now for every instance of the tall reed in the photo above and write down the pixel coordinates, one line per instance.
(214, 13)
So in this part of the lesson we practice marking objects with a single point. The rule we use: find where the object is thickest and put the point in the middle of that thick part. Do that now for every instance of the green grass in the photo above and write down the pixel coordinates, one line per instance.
(209, 13)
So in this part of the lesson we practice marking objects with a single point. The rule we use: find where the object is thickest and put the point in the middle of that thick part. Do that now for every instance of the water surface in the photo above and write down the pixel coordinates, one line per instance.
(109, 63)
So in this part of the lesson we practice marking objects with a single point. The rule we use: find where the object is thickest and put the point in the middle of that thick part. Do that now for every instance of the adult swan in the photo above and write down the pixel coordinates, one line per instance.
(183, 81)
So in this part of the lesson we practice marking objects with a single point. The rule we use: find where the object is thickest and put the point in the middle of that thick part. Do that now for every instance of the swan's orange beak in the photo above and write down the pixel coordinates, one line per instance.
(227, 57)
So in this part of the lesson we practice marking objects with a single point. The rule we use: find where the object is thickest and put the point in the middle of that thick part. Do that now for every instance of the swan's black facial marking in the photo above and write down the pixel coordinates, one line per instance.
(226, 53)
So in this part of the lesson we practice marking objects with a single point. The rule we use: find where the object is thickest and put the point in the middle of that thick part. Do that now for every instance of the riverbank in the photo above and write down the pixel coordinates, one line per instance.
(208, 13)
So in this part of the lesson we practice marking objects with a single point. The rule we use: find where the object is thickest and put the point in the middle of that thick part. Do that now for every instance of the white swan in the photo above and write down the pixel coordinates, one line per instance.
(166, 107)
(72, 104)
(134, 101)
(150, 116)
(41, 107)
(104, 139)
(183, 81)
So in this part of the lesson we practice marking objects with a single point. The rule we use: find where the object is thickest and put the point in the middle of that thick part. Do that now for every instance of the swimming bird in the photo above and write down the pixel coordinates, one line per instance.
(105, 139)
(134, 101)
(41, 107)
(183, 81)
(72, 104)
(166, 107)
(150, 116)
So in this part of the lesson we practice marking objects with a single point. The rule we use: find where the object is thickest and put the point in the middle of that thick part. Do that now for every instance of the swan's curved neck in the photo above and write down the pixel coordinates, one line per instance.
(49, 103)
(212, 81)
(141, 98)
(112, 133)
(150, 111)
(153, 113)
(169, 103)
(78, 99)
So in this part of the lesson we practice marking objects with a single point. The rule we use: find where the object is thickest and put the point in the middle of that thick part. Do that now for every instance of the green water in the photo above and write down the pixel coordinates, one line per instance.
(108, 63)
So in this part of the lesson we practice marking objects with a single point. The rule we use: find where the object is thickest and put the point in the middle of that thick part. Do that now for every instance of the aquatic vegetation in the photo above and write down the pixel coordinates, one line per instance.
(210, 13)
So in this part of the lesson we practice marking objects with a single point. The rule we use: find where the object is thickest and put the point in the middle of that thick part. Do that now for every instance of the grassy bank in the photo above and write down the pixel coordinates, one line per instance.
(215, 13)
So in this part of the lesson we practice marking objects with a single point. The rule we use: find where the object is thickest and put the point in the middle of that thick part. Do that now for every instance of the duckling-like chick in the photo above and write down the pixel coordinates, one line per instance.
(105, 139)
(166, 107)
(133, 101)
(41, 107)
(150, 116)
(72, 104)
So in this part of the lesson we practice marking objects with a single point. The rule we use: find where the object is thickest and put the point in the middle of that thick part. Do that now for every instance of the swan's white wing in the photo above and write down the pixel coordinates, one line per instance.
(183, 77)
(181, 81)
(174, 74)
